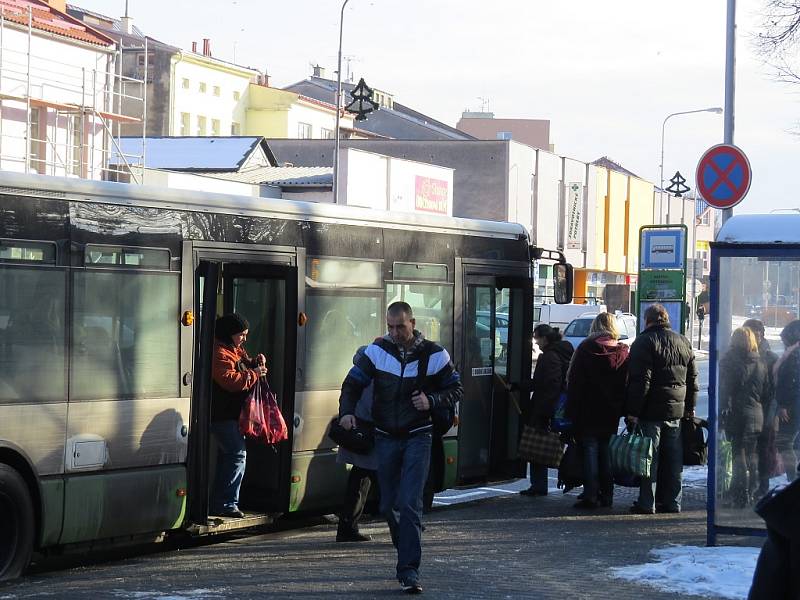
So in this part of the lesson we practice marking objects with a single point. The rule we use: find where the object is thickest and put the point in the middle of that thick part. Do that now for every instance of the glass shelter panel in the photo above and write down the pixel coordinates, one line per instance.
(757, 414)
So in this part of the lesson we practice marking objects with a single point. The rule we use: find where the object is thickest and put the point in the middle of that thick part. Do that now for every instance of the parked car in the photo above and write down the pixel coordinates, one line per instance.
(500, 329)
(559, 315)
(578, 328)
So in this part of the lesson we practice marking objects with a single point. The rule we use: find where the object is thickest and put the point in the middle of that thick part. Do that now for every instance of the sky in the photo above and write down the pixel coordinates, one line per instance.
(606, 74)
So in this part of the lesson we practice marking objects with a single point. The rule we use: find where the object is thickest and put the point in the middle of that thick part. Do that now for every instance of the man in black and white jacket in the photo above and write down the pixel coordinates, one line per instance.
(403, 426)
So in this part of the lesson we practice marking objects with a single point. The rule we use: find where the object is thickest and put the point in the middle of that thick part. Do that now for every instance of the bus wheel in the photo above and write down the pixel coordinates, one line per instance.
(17, 523)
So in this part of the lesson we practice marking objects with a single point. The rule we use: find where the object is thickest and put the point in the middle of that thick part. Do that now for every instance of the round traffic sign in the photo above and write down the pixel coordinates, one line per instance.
(723, 176)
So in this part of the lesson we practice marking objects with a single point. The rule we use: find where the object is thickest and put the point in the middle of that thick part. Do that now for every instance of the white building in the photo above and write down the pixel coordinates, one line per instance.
(57, 97)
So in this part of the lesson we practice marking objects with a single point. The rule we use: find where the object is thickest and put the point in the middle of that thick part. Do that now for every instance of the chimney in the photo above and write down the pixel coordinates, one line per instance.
(59, 5)
(318, 71)
(194, 47)
(126, 23)
(206, 47)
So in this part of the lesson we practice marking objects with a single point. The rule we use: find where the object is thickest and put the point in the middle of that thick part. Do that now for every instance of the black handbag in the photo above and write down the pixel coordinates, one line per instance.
(694, 441)
(360, 439)
(570, 471)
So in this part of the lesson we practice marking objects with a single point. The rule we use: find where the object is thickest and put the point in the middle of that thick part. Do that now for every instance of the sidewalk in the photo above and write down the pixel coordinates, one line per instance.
(508, 546)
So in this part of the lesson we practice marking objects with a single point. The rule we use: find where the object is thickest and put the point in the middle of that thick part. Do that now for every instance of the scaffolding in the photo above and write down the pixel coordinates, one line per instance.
(74, 113)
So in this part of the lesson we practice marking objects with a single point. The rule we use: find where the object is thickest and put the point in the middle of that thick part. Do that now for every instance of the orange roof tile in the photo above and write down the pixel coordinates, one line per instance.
(46, 18)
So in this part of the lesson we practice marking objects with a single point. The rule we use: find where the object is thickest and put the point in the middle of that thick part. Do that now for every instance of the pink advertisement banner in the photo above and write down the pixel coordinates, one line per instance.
(430, 195)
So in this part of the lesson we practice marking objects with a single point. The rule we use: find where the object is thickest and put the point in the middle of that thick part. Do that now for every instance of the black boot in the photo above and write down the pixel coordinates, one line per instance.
(348, 532)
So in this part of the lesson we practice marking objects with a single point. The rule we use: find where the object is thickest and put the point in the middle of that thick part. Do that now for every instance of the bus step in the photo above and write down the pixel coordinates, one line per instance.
(223, 524)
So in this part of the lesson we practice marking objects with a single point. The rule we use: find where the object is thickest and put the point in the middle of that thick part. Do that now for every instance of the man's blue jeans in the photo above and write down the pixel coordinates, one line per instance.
(402, 472)
(668, 453)
(231, 458)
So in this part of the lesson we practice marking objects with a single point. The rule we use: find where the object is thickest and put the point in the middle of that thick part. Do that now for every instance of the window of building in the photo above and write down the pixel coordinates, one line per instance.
(77, 145)
(36, 146)
(216, 90)
(325, 133)
(236, 128)
(186, 123)
(140, 59)
(185, 83)
(304, 131)
(201, 125)
(503, 135)
(214, 126)
(236, 95)
(202, 87)
(32, 331)
(125, 338)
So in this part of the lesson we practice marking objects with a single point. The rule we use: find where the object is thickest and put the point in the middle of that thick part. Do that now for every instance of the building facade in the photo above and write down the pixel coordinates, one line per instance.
(484, 126)
(58, 106)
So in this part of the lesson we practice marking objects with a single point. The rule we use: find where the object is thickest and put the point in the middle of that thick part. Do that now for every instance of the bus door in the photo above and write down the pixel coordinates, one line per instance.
(495, 369)
(264, 292)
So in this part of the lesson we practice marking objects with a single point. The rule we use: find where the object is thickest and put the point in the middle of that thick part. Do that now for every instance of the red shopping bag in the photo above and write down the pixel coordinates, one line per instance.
(261, 419)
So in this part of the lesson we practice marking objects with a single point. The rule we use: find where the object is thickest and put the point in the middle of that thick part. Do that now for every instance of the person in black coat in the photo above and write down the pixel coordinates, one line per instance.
(776, 575)
(549, 381)
(766, 446)
(662, 388)
(787, 395)
(595, 397)
(743, 382)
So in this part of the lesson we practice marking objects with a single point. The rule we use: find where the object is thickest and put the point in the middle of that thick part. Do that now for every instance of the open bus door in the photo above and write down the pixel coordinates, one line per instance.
(495, 369)
(265, 292)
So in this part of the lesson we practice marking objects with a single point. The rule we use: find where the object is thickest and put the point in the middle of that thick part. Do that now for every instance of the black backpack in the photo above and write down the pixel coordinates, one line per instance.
(443, 417)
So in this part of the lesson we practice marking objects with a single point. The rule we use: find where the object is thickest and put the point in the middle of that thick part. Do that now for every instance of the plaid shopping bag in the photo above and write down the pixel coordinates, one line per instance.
(631, 453)
(541, 447)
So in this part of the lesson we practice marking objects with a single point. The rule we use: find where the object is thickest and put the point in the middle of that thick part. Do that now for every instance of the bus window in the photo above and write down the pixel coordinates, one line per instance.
(32, 334)
(125, 335)
(337, 326)
(433, 308)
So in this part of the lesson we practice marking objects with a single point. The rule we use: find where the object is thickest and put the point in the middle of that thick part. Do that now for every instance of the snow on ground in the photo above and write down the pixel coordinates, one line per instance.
(718, 572)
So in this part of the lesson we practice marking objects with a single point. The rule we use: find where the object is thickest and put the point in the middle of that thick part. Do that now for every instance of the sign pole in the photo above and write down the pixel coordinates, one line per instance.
(730, 82)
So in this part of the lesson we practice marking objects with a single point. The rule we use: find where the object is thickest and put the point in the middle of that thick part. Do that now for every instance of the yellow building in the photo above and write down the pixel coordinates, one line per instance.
(276, 113)
(622, 203)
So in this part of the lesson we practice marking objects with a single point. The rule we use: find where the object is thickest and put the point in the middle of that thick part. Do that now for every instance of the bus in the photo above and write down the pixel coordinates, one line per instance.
(108, 297)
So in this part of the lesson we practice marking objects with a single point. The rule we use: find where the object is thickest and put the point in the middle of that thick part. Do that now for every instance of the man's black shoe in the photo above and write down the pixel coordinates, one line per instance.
(532, 492)
(411, 586)
(585, 504)
(638, 510)
(664, 510)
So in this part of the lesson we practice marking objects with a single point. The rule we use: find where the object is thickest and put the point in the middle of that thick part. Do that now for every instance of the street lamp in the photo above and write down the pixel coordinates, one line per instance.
(338, 109)
(716, 110)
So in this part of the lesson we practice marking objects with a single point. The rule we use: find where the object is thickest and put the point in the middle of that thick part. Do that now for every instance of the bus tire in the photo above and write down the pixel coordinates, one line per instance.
(17, 524)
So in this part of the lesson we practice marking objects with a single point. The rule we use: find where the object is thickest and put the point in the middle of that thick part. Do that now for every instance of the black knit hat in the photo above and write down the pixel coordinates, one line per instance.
(228, 325)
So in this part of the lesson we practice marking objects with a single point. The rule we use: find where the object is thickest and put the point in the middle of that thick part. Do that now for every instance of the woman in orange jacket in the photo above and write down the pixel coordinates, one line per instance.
(234, 374)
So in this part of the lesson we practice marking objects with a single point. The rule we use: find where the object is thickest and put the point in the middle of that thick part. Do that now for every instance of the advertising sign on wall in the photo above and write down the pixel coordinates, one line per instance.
(574, 215)
(430, 195)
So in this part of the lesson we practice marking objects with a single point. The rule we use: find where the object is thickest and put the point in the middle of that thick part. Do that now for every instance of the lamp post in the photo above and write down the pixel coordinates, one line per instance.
(338, 110)
(716, 110)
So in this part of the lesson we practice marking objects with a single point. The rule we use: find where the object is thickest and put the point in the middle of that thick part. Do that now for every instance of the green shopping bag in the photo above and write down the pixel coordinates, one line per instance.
(724, 465)
(631, 453)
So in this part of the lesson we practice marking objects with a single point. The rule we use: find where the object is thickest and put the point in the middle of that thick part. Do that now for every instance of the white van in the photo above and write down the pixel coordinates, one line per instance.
(561, 315)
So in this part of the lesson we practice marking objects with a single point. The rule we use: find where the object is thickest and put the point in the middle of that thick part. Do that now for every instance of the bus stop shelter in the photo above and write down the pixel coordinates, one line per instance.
(755, 274)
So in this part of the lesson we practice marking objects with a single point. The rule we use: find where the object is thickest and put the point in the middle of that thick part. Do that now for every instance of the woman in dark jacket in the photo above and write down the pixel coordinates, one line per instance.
(595, 397)
(743, 384)
(766, 446)
(549, 381)
(787, 396)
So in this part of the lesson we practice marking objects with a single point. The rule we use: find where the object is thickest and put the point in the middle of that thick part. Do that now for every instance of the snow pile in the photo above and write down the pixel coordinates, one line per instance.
(695, 476)
(719, 572)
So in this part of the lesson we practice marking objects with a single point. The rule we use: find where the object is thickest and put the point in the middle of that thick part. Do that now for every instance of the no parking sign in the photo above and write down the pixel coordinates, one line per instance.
(723, 176)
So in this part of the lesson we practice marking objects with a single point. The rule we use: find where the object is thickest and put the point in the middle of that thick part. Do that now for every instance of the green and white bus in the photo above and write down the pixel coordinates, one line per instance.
(108, 295)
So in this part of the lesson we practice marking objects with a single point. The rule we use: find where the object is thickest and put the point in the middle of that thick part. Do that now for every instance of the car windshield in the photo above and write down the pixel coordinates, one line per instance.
(578, 328)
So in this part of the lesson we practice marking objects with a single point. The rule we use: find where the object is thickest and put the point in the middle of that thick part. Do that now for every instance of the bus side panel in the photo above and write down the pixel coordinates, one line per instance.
(37, 430)
(52, 491)
(318, 481)
(105, 505)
